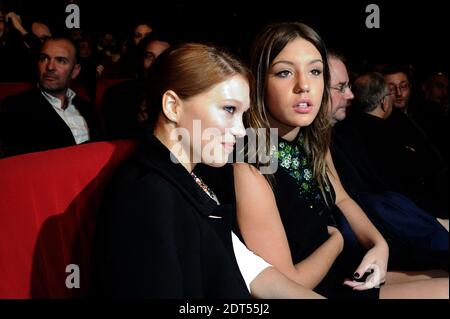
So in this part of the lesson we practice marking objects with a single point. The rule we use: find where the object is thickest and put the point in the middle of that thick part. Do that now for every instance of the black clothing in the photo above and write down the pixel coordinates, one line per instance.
(121, 104)
(408, 133)
(305, 217)
(29, 123)
(388, 159)
(155, 237)
(17, 62)
(363, 147)
(356, 170)
(434, 122)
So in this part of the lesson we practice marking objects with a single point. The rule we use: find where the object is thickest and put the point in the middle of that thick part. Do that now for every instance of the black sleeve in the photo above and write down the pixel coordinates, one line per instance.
(12, 134)
(136, 250)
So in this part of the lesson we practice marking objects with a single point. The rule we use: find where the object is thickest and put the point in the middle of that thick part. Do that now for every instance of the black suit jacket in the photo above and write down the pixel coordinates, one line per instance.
(155, 237)
(357, 172)
(28, 123)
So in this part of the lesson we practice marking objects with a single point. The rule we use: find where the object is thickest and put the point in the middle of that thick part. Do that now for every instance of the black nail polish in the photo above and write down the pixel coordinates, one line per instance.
(356, 275)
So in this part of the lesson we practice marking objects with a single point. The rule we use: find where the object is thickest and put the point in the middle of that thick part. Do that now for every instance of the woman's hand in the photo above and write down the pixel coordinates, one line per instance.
(375, 264)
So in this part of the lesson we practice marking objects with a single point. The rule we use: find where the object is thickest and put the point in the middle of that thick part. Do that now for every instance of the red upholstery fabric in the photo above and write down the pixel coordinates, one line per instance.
(80, 90)
(10, 88)
(48, 202)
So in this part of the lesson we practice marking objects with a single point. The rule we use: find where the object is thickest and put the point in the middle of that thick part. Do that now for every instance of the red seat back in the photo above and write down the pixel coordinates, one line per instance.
(80, 90)
(48, 202)
(10, 88)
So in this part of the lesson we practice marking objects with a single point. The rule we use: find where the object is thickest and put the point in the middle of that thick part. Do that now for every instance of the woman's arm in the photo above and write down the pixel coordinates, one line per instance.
(376, 258)
(272, 284)
(264, 281)
(262, 229)
(363, 228)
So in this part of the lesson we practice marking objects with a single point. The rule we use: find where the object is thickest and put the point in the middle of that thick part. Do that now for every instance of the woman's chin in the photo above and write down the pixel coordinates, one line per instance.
(216, 164)
(217, 161)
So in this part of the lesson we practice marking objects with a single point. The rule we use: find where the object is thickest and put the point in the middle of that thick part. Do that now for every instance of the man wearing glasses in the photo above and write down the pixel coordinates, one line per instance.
(398, 81)
(347, 143)
(407, 119)
(340, 88)
(360, 146)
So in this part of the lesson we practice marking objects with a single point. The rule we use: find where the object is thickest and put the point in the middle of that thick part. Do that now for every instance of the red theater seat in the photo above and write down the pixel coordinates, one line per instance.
(80, 90)
(48, 202)
(10, 88)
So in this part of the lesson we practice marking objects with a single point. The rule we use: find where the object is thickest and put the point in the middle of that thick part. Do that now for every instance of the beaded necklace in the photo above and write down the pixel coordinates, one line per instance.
(205, 187)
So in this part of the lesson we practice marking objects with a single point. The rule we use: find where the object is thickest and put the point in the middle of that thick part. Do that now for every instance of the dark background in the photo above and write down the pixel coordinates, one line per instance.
(410, 32)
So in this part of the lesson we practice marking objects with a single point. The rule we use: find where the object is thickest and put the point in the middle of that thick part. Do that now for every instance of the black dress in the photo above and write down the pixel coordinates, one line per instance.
(305, 216)
(156, 236)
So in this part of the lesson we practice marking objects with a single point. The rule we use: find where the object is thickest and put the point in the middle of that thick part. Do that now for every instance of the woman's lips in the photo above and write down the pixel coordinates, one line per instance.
(303, 109)
(229, 146)
(303, 106)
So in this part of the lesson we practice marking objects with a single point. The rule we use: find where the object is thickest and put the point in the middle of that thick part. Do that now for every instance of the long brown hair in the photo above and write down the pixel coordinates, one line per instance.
(267, 45)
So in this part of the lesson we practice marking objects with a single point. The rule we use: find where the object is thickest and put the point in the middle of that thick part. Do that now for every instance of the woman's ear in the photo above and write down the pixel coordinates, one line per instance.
(171, 106)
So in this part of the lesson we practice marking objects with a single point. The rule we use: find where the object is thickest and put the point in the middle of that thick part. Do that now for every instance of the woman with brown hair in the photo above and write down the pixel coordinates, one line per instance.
(287, 219)
(162, 232)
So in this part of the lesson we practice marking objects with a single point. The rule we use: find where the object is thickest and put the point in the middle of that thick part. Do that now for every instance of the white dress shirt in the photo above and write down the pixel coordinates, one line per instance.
(70, 115)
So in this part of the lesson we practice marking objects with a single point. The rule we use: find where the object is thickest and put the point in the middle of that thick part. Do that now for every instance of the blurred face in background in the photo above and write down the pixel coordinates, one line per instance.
(85, 49)
(400, 87)
(436, 89)
(107, 41)
(140, 32)
(153, 50)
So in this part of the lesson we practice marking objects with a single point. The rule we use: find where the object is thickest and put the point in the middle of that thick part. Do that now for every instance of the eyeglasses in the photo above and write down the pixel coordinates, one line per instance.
(342, 87)
(401, 87)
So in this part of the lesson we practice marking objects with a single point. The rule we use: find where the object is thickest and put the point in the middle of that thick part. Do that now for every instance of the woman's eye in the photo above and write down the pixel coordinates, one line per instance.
(283, 74)
(230, 109)
(316, 72)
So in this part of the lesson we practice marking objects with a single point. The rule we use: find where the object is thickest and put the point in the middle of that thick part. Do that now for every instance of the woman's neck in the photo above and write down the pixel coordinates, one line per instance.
(289, 133)
(163, 133)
